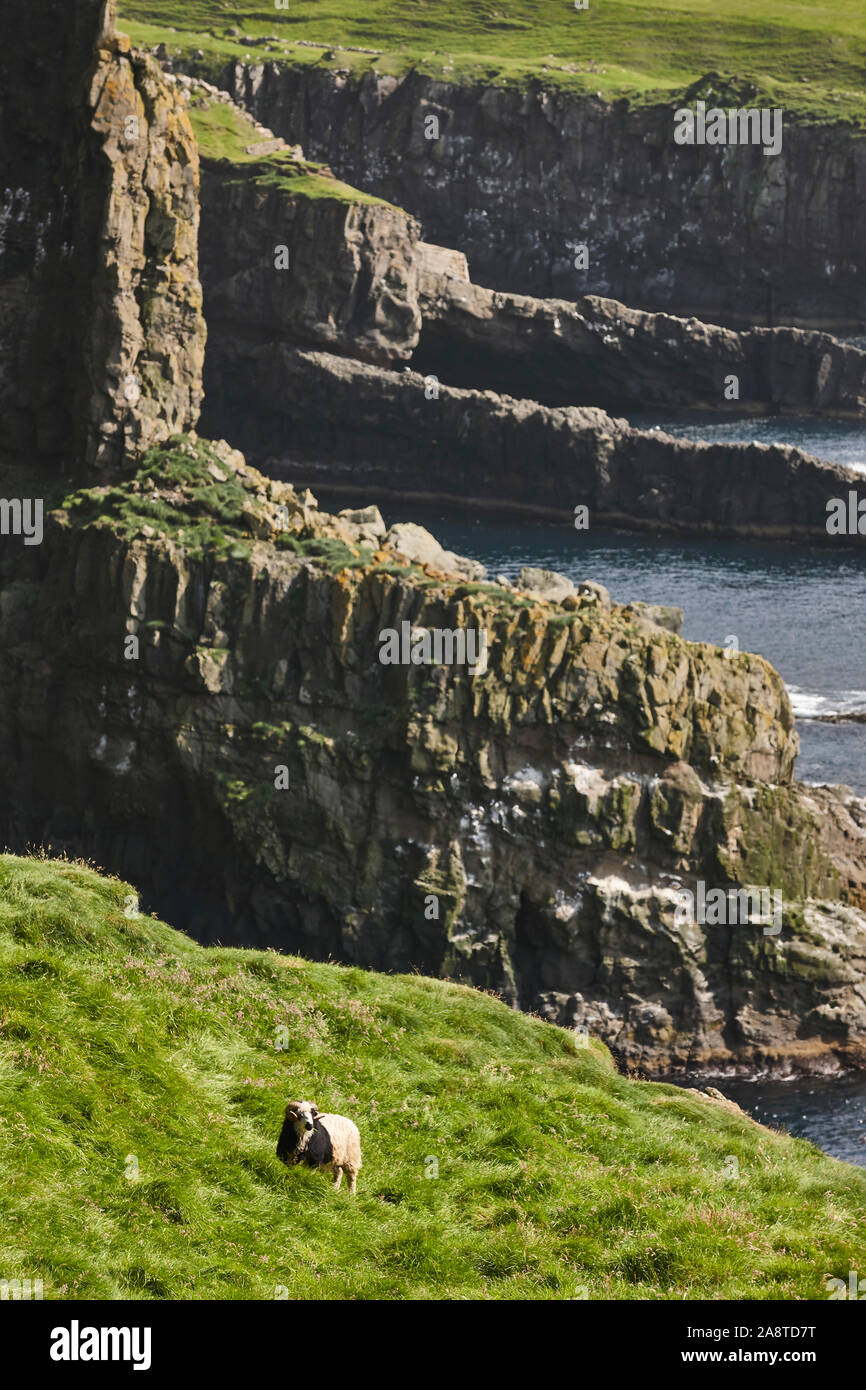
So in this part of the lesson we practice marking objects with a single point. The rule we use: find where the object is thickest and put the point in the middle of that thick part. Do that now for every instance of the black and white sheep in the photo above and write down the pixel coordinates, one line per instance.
(320, 1141)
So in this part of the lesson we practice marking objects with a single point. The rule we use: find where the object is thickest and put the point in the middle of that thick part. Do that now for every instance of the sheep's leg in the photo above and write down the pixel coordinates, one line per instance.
(353, 1178)
(338, 1179)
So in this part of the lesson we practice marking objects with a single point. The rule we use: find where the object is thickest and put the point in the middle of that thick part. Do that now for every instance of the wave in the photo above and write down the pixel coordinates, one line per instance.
(808, 704)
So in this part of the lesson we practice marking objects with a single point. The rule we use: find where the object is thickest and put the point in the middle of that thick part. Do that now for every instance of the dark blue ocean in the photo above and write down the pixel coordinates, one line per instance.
(831, 1111)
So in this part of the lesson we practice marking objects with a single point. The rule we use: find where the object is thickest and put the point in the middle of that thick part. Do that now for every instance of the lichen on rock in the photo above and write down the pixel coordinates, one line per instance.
(550, 806)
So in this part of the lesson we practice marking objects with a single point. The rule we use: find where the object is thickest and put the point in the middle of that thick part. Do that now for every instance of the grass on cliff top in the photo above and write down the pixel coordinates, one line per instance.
(223, 136)
(174, 494)
(183, 490)
(807, 57)
(142, 1096)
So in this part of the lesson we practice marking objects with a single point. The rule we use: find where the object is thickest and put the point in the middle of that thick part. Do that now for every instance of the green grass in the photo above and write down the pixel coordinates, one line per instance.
(184, 491)
(142, 1095)
(618, 47)
(333, 553)
(173, 494)
(223, 136)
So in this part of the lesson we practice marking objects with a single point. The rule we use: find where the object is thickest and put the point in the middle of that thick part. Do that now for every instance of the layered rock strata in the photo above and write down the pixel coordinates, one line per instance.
(252, 763)
(598, 352)
(665, 225)
(342, 424)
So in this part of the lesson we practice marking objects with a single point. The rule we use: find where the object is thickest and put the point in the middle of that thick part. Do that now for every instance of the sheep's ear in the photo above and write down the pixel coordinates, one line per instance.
(291, 1109)
(314, 1110)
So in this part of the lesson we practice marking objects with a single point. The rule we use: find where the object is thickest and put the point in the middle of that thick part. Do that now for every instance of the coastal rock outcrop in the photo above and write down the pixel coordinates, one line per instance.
(360, 281)
(293, 260)
(289, 254)
(337, 423)
(237, 747)
(598, 352)
(356, 280)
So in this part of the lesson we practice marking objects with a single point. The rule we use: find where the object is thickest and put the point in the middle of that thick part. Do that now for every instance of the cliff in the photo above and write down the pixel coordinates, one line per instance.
(251, 763)
(360, 282)
(339, 423)
(347, 276)
(356, 281)
(101, 332)
(191, 684)
(665, 225)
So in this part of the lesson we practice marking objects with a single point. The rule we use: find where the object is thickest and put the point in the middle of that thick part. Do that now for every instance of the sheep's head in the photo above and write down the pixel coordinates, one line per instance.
(302, 1115)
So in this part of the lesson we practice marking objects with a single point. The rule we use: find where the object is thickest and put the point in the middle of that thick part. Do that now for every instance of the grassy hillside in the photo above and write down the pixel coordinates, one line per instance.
(142, 1095)
(807, 57)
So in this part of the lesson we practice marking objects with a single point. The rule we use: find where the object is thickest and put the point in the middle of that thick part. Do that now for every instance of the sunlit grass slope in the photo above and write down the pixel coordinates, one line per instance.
(806, 56)
(141, 1094)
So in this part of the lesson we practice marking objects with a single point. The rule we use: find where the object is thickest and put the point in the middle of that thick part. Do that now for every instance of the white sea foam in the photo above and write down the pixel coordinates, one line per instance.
(807, 704)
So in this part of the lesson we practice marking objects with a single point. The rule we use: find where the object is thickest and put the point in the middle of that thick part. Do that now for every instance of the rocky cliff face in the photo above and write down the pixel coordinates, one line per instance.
(357, 281)
(292, 256)
(352, 281)
(598, 352)
(518, 180)
(361, 283)
(101, 333)
(203, 646)
(333, 422)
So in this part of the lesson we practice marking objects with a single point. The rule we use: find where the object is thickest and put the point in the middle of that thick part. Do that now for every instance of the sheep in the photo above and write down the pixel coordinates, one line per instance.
(320, 1141)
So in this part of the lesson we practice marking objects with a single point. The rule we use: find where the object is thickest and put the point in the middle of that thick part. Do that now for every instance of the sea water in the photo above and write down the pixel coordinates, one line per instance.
(829, 1111)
